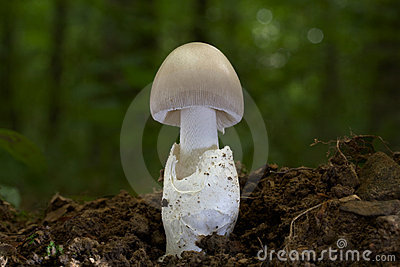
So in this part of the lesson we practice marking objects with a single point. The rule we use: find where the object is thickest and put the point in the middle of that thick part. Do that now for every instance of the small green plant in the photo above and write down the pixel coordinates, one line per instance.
(53, 249)
(31, 238)
(60, 249)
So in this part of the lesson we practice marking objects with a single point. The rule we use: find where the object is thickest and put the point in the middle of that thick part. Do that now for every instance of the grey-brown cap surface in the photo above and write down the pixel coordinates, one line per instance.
(196, 74)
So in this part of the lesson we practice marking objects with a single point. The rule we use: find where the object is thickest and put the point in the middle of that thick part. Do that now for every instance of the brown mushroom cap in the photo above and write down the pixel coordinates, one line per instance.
(196, 74)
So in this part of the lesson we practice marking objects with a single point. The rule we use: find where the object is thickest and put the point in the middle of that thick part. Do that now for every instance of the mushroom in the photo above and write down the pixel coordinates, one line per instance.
(197, 89)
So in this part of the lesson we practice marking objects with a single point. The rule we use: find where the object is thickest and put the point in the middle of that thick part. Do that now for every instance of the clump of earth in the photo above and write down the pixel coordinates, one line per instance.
(350, 203)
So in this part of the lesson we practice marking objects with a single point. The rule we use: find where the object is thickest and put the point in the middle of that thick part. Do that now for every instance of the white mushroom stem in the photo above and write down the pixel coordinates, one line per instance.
(198, 133)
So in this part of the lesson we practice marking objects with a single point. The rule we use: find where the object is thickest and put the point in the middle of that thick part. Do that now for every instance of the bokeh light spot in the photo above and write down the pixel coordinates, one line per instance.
(277, 60)
(315, 35)
(264, 34)
(264, 16)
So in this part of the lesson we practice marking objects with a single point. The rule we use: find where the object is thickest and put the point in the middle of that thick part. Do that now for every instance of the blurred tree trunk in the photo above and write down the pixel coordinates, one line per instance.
(383, 51)
(137, 40)
(199, 24)
(330, 96)
(147, 40)
(231, 46)
(8, 116)
(56, 65)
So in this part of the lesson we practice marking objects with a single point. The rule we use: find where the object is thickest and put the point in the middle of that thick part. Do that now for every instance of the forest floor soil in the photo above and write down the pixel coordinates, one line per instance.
(350, 203)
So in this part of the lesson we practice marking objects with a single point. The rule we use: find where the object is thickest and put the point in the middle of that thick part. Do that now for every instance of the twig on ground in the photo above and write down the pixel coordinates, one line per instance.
(375, 136)
(291, 232)
(345, 158)
(316, 142)
(292, 223)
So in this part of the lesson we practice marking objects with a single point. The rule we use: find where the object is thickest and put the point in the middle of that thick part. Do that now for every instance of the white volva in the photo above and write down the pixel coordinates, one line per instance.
(203, 203)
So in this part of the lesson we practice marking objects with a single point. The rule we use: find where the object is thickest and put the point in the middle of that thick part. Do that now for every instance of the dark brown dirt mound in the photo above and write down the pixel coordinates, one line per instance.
(296, 209)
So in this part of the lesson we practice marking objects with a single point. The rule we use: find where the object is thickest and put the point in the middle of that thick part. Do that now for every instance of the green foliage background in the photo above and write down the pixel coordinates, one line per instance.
(69, 70)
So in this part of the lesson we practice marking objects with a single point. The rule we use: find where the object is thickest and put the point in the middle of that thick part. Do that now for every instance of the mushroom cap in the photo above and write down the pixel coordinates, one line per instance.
(196, 74)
